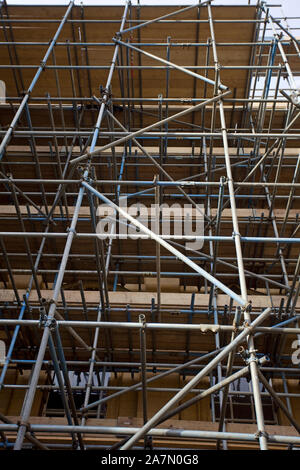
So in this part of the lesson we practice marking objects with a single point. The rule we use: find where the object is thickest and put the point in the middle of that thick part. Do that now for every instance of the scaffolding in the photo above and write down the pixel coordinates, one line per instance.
(159, 106)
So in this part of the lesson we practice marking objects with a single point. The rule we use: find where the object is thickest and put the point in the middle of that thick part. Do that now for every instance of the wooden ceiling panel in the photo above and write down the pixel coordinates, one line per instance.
(153, 81)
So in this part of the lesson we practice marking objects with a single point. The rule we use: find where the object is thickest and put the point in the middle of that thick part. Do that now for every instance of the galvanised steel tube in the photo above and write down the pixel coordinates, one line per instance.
(146, 100)
(130, 135)
(26, 20)
(141, 44)
(243, 286)
(160, 432)
(233, 207)
(205, 327)
(212, 303)
(202, 327)
(149, 135)
(108, 83)
(141, 67)
(92, 148)
(80, 99)
(143, 356)
(32, 84)
(28, 401)
(253, 363)
(240, 262)
(147, 236)
(150, 183)
(157, 417)
(121, 390)
(166, 245)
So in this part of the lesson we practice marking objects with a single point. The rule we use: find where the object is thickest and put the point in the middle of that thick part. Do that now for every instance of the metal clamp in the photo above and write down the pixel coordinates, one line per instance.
(293, 98)
(142, 320)
(42, 65)
(252, 359)
(248, 307)
(263, 360)
(259, 434)
(235, 234)
(244, 353)
(223, 180)
(249, 355)
(52, 301)
(25, 424)
(105, 93)
(88, 179)
(47, 322)
(70, 229)
(83, 168)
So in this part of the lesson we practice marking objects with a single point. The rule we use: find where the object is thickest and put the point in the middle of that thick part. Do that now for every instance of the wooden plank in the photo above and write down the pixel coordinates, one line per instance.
(172, 300)
(155, 32)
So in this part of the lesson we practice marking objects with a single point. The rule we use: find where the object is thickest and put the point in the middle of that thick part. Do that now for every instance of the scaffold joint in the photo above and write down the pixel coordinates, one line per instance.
(259, 434)
(47, 322)
(72, 230)
(25, 424)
